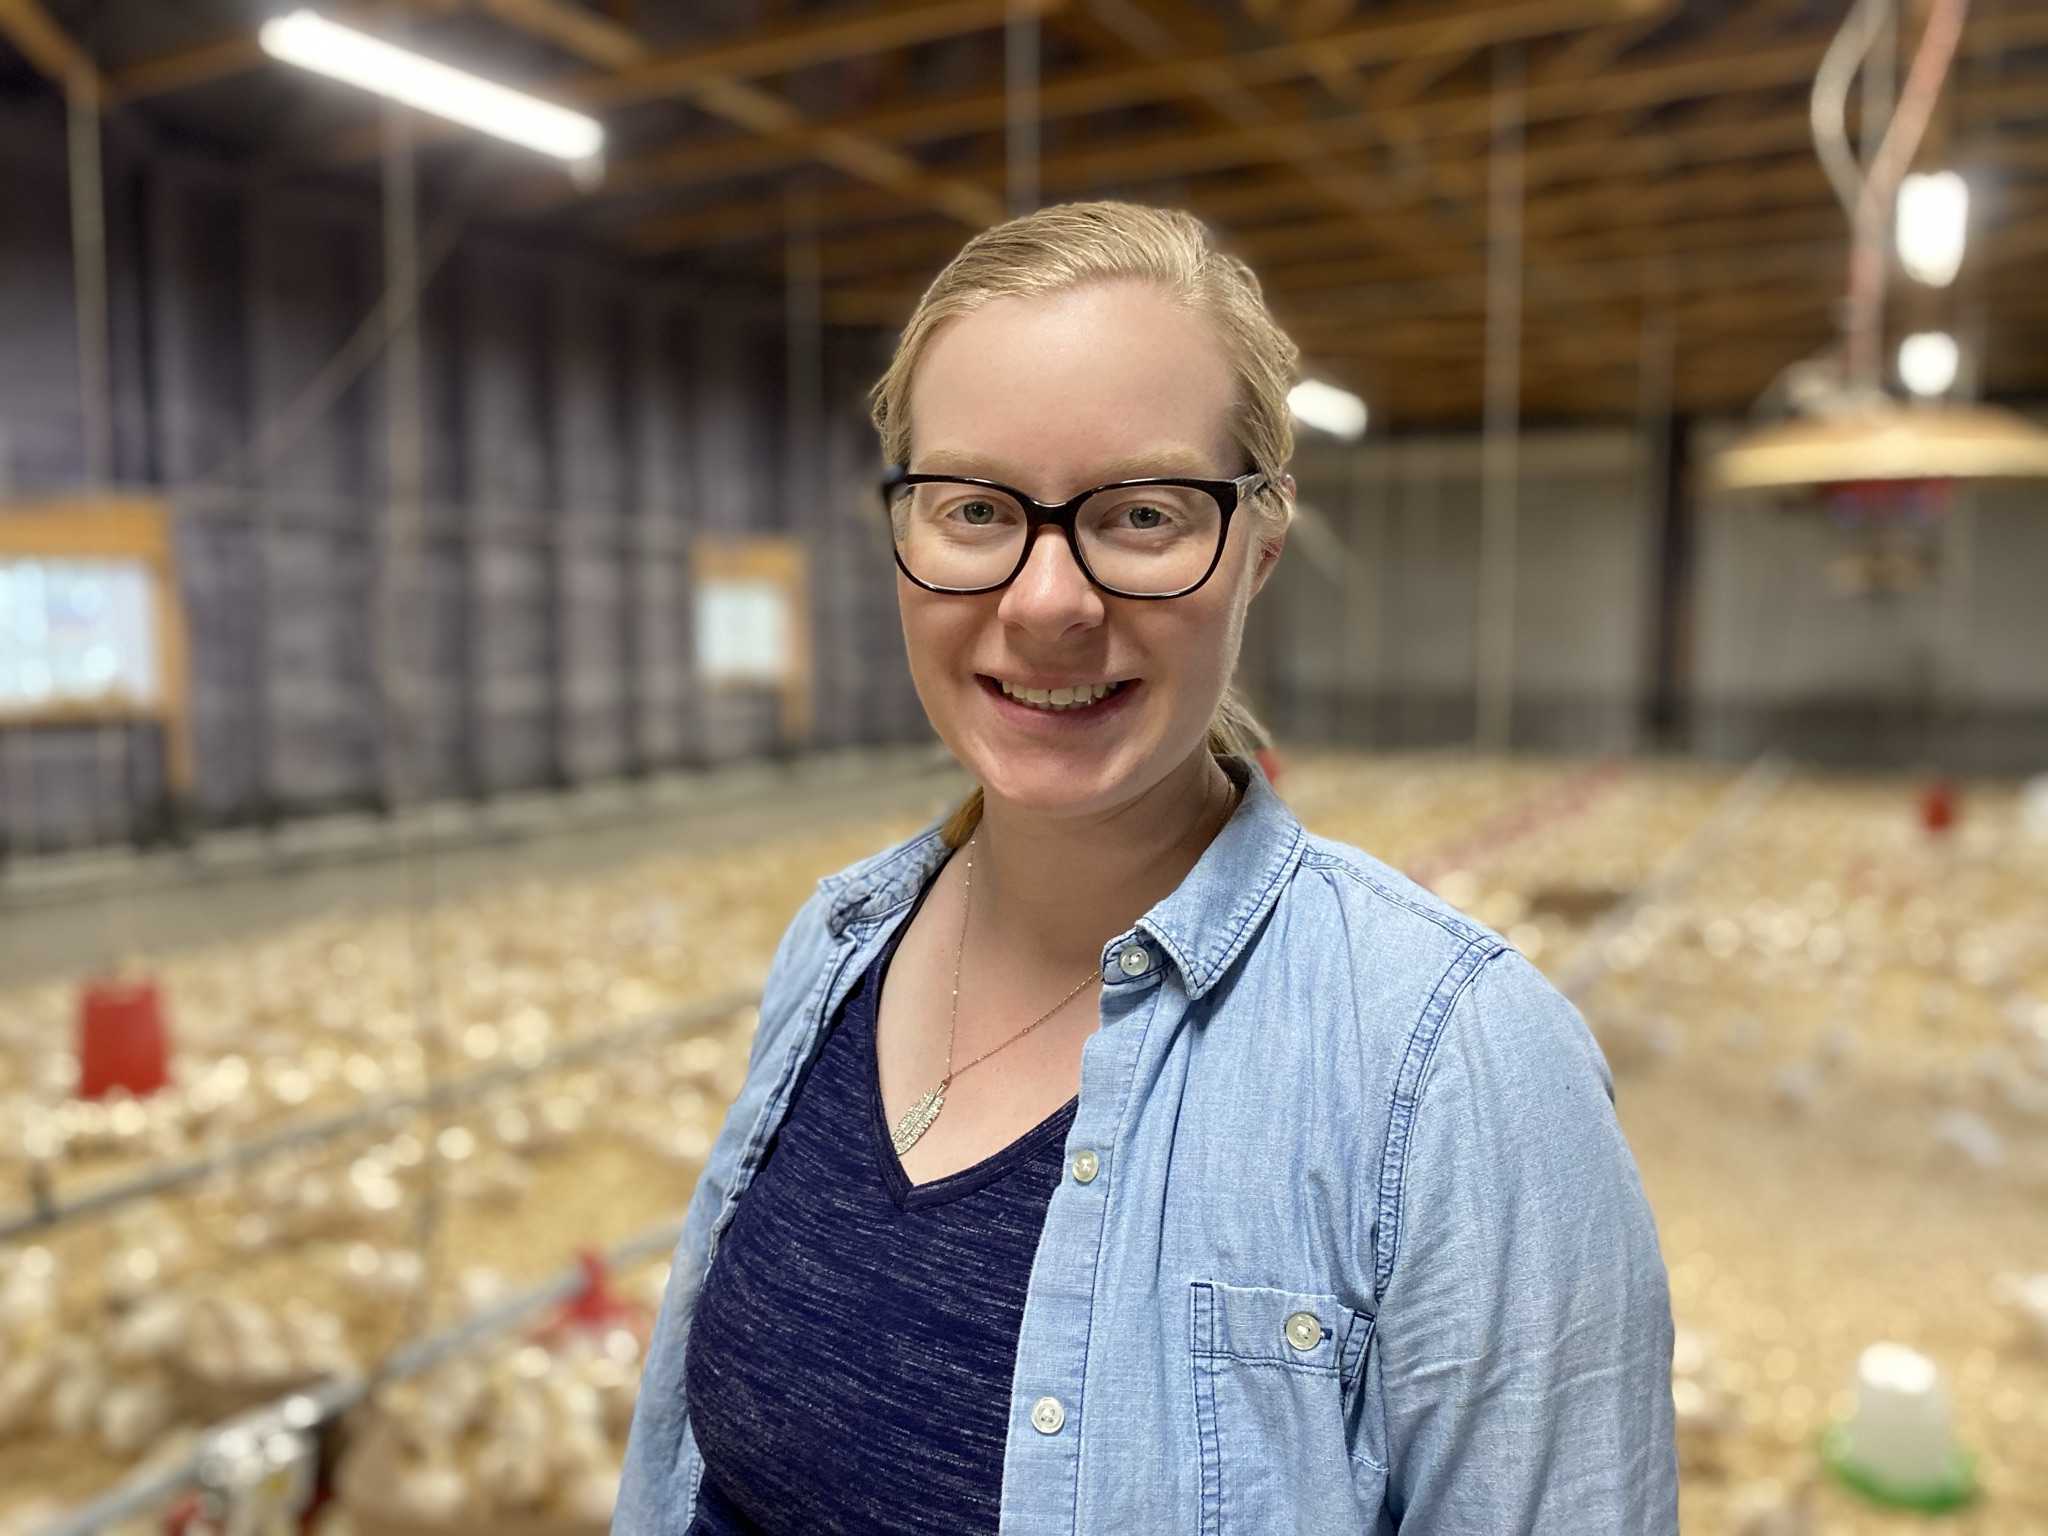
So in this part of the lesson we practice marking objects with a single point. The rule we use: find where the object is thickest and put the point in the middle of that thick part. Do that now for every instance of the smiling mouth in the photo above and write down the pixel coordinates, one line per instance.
(1055, 700)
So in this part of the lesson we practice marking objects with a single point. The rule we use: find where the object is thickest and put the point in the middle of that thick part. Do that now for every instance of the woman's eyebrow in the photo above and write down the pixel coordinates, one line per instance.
(945, 462)
(1171, 461)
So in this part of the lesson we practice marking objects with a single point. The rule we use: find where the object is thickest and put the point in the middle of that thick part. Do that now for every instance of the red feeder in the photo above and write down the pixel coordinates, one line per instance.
(597, 1308)
(121, 1040)
(1938, 806)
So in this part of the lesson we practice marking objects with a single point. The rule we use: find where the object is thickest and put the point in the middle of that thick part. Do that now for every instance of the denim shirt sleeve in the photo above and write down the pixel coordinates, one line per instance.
(648, 1491)
(1525, 1326)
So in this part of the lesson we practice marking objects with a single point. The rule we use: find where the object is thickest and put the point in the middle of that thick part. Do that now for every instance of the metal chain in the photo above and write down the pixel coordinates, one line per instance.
(959, 952)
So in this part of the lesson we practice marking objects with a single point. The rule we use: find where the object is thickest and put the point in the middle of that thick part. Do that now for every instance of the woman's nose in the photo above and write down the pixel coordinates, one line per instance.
(1052, 594)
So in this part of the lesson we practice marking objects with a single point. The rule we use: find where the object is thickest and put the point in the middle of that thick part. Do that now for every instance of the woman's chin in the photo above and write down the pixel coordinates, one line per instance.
(1063, 779)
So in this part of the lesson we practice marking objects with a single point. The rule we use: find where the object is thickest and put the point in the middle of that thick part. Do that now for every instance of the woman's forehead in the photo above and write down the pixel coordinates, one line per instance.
(1122, 319)
(1118, 377)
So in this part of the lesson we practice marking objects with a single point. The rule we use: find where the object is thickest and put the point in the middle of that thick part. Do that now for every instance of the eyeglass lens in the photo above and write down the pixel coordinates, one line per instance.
(1136, 539)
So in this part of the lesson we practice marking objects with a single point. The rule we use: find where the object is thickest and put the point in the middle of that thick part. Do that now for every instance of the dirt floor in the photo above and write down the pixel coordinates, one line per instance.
(1830, 1040)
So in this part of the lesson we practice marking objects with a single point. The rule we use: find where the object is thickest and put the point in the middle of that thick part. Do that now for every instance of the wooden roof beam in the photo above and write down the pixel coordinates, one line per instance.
(627, 76)
(219, 59)
(1696, 77)
(222, 58)
(761, 112)
(1336, 294)
(48, 47)
(1396, 39)
(824, 41)
(1730, 131)
(1619, 205)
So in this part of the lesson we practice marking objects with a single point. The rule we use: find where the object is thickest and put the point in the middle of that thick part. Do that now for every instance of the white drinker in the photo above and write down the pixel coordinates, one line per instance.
(2030, 1294)
(1898, 1437)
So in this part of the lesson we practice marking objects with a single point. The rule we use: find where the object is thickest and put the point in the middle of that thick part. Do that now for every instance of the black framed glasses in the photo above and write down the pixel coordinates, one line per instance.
(1153, 538)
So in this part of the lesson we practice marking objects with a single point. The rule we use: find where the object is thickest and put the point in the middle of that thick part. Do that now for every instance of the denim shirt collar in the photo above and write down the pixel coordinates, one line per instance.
(1202, 927)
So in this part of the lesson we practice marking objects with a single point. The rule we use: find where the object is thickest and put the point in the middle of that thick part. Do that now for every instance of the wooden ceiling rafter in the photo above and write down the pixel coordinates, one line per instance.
(222, 58)
(1785, 134)
(1295, 142)
(1166, 155)
(1342, 151)
(830, 39)
(48, 47)
(749, 106)
(1192, 42)
(1651, 86)
(645, 74)
(1391, 42)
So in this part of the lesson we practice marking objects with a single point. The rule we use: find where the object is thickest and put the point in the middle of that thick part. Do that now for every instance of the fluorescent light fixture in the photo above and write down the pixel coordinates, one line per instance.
(313, 42)
(1927, 363)
(1934, 213)
(1328, 409)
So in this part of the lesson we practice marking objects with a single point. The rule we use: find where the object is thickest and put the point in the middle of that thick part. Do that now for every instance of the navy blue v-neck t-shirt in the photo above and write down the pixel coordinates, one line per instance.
(850, 1358)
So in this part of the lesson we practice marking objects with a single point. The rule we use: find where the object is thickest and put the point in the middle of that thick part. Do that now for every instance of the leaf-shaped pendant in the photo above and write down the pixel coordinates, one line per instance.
(917, 1120)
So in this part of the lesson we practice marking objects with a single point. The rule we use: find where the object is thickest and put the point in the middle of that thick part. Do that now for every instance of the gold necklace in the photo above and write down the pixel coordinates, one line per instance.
(919, 1117)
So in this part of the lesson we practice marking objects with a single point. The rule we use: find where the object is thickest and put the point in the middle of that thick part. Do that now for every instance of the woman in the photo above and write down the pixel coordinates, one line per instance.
(1117, 1157)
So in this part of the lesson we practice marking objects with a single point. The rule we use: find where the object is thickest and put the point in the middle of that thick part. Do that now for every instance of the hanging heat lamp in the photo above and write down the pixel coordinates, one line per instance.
(1864, 453)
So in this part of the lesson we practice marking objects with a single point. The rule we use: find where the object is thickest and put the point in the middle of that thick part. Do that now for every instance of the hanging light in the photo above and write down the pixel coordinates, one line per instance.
(1883, 440)
(313, 42)
(1844, 436)
(1927, 363)
(1329, 409)
(1934, 216)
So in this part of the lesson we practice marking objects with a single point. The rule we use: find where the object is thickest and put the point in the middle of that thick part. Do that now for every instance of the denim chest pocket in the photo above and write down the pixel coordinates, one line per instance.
(1275, 1374)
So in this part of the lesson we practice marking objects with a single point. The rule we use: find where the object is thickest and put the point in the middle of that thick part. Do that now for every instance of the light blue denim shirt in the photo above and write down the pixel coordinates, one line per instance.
(1360, 1247)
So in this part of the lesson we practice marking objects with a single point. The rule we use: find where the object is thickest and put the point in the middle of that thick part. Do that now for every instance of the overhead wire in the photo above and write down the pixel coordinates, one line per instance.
(1828, 107)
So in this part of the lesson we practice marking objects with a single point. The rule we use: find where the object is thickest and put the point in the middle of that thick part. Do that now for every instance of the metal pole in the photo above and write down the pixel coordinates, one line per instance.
(1364, 591)
(324, 1401)
(46, 1210)
(1020, 104)
(405, 459)
(806, 478)
(804, 338)
(1500, 453)
(1957, 608)
(89, 274)
(1654, 394)
(397, 622)
(1422, 499)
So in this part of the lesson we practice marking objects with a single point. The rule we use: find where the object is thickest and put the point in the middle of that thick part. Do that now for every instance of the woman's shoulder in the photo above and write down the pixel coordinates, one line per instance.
(873, 887)
(865, 890)
(1382, 906)
(1448, 970)
(1413, 958)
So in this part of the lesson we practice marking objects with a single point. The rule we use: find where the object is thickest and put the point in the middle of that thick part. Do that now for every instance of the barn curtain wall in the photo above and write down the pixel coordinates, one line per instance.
(585, 423)
(1365, 635)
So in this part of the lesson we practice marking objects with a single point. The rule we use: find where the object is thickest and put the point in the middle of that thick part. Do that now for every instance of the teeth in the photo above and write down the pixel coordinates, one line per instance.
(1059, 698)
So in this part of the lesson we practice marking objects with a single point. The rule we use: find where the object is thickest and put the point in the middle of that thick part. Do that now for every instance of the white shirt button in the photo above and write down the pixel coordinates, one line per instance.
(1304, 1331)
(1134, 960)
(1047, 1415)
(1086, 1165)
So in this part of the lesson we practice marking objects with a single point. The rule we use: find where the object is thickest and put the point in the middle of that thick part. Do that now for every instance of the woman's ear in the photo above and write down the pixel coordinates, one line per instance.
(1270, 544)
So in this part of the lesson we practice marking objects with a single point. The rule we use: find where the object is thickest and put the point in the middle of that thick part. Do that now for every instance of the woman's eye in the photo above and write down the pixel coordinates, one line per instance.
(979, 513)
(1146, 517)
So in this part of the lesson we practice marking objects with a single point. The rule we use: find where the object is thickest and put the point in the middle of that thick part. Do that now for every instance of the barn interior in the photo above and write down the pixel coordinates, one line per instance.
(448, 624)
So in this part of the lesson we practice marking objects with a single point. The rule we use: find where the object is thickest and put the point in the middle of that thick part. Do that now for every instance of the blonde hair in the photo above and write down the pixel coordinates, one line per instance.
(1073, 244)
